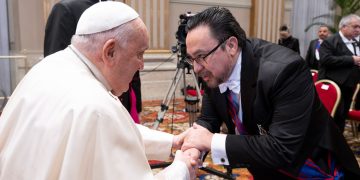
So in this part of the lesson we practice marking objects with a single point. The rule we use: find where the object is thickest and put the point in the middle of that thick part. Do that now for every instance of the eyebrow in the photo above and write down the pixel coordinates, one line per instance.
(197, 53)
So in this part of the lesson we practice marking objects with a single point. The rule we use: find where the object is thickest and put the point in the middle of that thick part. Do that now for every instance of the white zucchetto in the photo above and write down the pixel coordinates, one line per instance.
(104, 16)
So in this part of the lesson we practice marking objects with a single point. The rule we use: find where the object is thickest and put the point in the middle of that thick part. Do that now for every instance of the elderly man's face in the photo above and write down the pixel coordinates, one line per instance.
(129, 59)
(352, 29)
(217, 66)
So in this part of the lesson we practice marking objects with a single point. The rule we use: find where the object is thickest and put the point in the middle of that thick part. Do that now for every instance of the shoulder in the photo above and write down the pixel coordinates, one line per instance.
(295, 39)
(267, 51)
(275, 59)
(333, 38)
(333, 41)
(314, 41)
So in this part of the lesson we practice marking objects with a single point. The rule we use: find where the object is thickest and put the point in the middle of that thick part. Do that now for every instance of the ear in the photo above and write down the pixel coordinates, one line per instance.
(108, 51)
(232, 44)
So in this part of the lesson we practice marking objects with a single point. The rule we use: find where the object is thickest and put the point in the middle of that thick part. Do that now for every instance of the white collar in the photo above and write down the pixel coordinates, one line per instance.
(93, 69)
(233, 83)
(345, 40)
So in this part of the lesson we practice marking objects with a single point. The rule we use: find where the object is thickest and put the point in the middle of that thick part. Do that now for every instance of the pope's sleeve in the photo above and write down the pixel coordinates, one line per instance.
(157, 144)
(177, 170)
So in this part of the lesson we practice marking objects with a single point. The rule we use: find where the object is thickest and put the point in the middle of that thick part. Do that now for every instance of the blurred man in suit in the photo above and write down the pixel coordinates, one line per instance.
(312, 56)
(287, 40)
(340, 61)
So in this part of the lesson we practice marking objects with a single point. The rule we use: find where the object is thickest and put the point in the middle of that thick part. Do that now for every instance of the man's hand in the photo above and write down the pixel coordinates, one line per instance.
(178, 140)
(198, 137)
(356, 60)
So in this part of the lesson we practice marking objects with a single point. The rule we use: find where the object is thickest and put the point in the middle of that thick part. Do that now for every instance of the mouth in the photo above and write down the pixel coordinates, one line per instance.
(206, 78)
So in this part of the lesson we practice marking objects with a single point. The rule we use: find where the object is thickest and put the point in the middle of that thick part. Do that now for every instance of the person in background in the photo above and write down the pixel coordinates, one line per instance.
(60, 27)
(357, 104)
(264, 93)
(340, 61)
(357, 100)
(65, 121)
(61, 24)
(287, 40)
(312, 56)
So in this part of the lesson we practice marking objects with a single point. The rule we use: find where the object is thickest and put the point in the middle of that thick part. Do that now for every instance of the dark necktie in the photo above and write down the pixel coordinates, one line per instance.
(354, 46)
(233, 109)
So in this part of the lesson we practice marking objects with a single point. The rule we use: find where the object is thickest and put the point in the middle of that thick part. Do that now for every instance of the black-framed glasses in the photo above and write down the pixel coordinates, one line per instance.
(201, 58)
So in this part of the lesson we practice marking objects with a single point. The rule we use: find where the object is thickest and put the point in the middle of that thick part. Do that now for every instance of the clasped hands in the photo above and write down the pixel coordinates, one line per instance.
(192, 142)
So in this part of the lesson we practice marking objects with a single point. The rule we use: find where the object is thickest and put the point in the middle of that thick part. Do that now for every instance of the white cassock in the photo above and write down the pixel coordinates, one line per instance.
(62, 122)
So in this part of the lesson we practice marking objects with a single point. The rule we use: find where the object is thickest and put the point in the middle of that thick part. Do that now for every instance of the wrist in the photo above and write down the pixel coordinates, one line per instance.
(210, 137)
(176, 142)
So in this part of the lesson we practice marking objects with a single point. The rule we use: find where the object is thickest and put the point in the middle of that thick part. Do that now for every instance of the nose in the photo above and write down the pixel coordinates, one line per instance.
(197, 67)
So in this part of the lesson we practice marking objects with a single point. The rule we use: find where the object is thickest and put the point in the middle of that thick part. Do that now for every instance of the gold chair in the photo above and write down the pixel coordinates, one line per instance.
(354, 115)
(314, 74)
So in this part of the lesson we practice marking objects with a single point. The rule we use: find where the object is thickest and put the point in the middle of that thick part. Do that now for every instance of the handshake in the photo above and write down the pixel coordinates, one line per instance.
(191, 143)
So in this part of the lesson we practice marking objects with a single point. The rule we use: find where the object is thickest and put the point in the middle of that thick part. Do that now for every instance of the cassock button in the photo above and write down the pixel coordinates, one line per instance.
(222, 160)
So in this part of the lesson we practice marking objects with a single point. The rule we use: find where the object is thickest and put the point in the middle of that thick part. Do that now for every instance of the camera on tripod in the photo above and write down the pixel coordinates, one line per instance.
(192, 102)
(181, 34)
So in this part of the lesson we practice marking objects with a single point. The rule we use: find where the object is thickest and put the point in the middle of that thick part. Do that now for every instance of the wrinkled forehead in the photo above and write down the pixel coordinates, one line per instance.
(139, 34)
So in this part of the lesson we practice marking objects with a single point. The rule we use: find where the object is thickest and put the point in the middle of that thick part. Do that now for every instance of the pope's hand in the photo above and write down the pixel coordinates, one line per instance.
(178, 140)
(186, 158)
(194, 155)
(198, 137)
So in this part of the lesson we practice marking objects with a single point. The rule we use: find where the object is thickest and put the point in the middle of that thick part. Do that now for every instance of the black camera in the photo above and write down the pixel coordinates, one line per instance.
(182, 32)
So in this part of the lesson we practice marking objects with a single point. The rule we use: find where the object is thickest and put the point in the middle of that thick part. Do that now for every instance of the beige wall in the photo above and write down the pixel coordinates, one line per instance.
(28, 18)
(239, 8)
(26, 24)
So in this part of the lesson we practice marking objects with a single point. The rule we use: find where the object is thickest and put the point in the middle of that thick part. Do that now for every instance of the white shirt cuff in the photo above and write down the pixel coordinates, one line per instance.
(218, 151)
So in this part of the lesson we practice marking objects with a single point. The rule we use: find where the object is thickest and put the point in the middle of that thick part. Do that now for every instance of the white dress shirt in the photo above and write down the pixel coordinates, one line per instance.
(218, 151)
(349, 44)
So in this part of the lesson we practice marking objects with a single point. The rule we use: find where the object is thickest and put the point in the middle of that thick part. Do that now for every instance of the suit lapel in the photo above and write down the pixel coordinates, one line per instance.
(340, 44)
(249, 72)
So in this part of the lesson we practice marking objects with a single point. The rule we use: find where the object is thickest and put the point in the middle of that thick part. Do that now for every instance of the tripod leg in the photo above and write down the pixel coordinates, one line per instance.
(166, 101)
(192, 102)
(196, 85)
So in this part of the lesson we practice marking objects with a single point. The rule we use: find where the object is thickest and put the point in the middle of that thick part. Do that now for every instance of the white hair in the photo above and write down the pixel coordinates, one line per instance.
(92, 43)
(347, 19)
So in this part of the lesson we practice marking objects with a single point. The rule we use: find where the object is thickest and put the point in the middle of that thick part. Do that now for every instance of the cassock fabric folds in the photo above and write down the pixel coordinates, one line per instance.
(62, 122)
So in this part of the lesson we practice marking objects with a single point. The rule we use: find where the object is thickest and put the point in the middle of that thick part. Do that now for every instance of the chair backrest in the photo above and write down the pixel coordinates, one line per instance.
(354, 98)
(329, 94)
(314, 74)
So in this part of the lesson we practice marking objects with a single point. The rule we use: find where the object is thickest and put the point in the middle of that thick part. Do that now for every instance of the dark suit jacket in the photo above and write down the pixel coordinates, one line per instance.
(61, 26)
(290, 42)
(336, 62)
(310, 58)
(277, 93)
